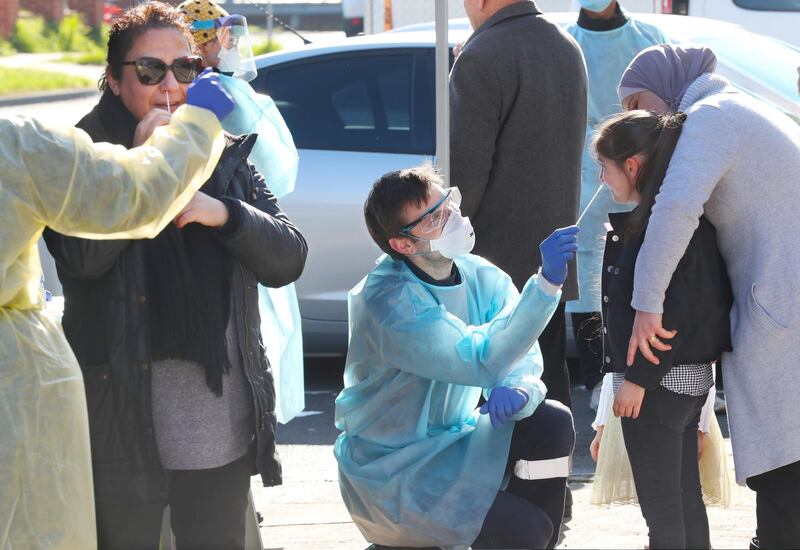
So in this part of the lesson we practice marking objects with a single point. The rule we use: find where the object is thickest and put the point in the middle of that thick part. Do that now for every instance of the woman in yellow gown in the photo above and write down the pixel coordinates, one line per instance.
(58, 178)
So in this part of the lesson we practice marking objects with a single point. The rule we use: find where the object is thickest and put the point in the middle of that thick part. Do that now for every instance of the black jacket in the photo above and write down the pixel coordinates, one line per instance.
(106, 321)
(697, 304)
(517, 127)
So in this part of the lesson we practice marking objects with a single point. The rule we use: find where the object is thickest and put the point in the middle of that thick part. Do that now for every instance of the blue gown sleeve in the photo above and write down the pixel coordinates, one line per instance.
(274, 154)
(401, 329)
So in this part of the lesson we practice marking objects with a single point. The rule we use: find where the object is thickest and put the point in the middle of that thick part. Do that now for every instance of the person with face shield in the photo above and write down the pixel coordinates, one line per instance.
(58, 178)
(737, 162)
(432, 328)
(224, 43)
(609, 38)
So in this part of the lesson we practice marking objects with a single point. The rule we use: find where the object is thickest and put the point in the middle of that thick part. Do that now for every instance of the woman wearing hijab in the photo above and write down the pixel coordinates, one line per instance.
(738, 163)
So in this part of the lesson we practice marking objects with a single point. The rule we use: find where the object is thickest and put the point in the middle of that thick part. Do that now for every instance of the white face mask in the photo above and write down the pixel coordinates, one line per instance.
(230, 61)
(457, 237)
(596, 6)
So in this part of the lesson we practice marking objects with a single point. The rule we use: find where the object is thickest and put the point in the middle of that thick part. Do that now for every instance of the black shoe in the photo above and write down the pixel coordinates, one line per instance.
(754, 543)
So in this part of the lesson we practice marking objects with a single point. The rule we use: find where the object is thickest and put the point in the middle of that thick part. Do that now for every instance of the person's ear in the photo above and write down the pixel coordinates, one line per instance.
(402, 245)
(629, 103)
(113, 83)
(632, 167)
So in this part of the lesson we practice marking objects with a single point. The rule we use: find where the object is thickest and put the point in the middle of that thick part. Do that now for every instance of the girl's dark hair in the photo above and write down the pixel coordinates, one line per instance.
(383, 209)
(133, 23)
(644, 133)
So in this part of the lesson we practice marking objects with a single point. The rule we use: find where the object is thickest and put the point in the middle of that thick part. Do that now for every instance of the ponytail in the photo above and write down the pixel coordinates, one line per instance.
(654, 169)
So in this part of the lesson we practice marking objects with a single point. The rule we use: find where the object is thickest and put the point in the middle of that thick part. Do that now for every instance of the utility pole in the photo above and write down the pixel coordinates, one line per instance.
(442, 91)
(387, 15)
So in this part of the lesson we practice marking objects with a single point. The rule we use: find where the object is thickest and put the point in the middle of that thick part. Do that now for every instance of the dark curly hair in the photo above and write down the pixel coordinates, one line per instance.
(133, 23)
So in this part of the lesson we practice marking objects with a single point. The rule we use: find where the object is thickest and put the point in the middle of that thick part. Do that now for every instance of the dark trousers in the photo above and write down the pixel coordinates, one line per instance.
(778, 507)
(588, 331)
(662, 447)
(553, 343)
(207, 511)
(527, 514)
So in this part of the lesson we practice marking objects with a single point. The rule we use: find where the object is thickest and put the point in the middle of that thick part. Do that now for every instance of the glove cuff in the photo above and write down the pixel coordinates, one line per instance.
(546, 284)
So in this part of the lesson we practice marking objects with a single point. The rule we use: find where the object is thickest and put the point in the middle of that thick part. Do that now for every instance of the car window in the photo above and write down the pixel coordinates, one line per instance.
(363, 101)
(393, 87)
(769, 5)
(354, 106)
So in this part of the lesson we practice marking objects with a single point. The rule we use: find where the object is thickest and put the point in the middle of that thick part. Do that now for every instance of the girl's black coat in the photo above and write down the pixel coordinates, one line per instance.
(697, 304)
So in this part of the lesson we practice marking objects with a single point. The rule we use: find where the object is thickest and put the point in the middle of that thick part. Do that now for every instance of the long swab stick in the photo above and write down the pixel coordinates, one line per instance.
(585, 210)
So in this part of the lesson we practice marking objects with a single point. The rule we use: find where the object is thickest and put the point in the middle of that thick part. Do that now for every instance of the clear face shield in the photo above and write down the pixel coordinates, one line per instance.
(236, 49)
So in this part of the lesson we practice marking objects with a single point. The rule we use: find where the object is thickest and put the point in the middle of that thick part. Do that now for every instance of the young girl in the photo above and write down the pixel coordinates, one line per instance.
(660, 404)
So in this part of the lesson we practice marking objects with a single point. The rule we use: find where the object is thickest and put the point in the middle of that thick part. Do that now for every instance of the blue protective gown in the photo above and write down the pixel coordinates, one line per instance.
(607, 54)
(275, 157)
(418, 465)
(274, 154)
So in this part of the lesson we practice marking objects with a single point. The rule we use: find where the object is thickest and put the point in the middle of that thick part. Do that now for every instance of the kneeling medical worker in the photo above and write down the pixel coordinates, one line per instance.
(431, 328)
(60, 179)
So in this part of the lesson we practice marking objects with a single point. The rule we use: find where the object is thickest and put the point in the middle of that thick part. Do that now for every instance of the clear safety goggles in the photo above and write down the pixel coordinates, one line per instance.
(433, 219)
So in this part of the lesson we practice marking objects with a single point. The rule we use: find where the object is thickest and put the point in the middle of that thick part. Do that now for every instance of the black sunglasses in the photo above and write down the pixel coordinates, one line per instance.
(151, 71)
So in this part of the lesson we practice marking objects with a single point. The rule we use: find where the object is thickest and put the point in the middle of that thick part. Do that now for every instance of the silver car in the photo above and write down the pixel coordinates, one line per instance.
(364, 106)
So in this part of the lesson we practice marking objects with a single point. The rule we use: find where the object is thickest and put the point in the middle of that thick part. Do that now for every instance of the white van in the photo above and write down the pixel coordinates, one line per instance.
(777, 18)
(410, 12)
(353, 17)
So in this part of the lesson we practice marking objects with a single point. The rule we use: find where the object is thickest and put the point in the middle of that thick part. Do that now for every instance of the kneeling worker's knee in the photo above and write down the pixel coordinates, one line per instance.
(559, 429)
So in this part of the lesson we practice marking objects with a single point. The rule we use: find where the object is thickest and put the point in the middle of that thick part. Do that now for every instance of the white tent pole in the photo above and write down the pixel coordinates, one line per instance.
(442, 91)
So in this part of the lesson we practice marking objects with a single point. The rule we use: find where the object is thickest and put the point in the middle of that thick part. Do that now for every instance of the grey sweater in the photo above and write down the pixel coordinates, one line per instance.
(195, 428)
(738, 161)
(517, 124)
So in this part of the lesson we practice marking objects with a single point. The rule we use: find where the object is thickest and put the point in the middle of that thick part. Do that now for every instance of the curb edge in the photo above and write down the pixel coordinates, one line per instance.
(45, 97)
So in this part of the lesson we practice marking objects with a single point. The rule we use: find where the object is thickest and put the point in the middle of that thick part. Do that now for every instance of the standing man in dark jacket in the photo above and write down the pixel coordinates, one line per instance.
(517, 123)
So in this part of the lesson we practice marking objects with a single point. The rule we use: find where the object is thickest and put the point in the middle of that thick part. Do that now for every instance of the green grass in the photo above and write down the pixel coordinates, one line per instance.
(21, 81)
(96, 57)
(267, 46)
(72, 35)
(6, 48)
(33, 35)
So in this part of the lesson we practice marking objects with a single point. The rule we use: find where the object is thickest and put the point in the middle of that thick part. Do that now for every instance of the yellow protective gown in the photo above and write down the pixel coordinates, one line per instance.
(58, 178)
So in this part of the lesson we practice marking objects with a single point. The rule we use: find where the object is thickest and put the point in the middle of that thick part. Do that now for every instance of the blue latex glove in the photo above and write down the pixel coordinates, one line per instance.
(207, 92)
(503, 403)
(557, 250)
